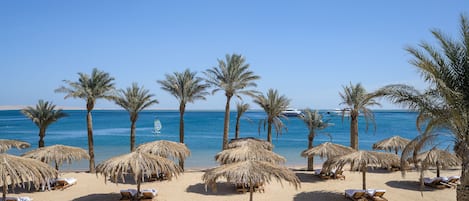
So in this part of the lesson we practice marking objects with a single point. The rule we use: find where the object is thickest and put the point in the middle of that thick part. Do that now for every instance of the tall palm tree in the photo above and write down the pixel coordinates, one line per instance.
(241, 108)
(273, 104)
(445, 103)
(185, 87)
(90, 88)
(357, 101)
(43, 115)
(134, 99)
(234, 77)
(314, 122)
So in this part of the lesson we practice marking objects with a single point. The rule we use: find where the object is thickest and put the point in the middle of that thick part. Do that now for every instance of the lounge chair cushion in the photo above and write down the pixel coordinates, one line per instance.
(149, 193)
(132, 192)
(17, 199)
(354, 193)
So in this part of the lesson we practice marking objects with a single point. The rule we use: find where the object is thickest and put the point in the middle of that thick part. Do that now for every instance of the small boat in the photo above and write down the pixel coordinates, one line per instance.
(291, 112)
(157, 126)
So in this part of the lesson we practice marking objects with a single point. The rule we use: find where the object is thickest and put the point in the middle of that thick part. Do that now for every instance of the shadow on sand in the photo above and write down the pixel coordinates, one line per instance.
(108, 196)
(308, 177)
(409, 185)
(319, 195)
(222, 189)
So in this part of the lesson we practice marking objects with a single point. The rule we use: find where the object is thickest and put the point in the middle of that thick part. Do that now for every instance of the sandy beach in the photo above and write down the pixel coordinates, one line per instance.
(189, 186)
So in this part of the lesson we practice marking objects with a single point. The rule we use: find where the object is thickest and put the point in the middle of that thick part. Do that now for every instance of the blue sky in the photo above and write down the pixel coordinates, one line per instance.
(307, 50)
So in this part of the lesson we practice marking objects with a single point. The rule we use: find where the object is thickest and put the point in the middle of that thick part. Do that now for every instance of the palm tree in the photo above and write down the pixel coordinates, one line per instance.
(445, 103)
(241, 109)
(273, 104)
(357, 101)
(90, 88)
(234, 77)
(134, 99)
(314, 122)
(186, 87)
(43, 115)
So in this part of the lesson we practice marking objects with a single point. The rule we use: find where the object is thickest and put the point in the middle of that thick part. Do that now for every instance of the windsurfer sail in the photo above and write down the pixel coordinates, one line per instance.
(157, 126)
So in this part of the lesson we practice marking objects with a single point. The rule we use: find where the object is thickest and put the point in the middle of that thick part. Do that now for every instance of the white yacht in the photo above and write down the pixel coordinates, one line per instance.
(339, 112)
(292, 112)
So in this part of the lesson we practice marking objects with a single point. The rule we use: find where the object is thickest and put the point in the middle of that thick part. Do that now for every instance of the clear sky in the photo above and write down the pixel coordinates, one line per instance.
(307, 50)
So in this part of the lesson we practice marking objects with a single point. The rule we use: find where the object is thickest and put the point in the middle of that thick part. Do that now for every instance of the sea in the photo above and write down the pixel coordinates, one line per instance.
(203, 132)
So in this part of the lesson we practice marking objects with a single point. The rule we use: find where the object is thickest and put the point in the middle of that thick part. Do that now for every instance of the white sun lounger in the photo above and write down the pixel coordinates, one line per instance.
(355, 194)
(63, 183)
(128, 194)
(16, 199)
(149, 193)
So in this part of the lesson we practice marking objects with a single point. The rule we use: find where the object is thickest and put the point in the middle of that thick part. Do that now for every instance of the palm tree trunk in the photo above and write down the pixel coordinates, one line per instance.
(354, 130)
(226, 125)
(269, 131)
(237, 127)
(462, 191)
(310, 145)
(89, 123)
(42, 134)
(132, 135)
(182, 108)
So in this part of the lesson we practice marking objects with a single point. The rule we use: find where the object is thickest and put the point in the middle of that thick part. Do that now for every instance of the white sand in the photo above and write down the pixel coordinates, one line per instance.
(189, 186)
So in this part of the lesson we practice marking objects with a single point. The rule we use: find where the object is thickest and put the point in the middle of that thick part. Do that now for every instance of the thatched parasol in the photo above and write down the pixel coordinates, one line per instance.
(166, 149)
(8, 144)
(362, 159)
(327, 150)
(251, 173)
(57, 154)
(248, 152)
(250, 141)
(439, 158)
(395, 143)
(16, 170)
(138, 164)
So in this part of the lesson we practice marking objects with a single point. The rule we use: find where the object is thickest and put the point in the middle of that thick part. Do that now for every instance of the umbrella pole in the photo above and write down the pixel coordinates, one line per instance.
(364, 177)
(139, 179)
(4, 186)
(437, 169)
(251, 191)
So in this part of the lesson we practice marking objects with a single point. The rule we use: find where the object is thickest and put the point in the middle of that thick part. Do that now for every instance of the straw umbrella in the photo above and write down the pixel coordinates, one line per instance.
(439, 158)
(251, 172)
(248, 152)
(57, 154)
(138, 164)
(395, 143)
(166, 149)
(8, 144)
(250, 141)
(15, 170)
(327, 150)
(362, 159)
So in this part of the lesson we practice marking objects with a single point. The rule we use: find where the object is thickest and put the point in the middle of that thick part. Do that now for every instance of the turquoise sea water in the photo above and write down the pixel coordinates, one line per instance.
(203, 132)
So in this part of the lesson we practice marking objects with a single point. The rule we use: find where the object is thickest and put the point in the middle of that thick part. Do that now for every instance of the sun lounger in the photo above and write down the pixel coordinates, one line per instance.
(63, 183)
(259, 187)
(437, 182)
(376, 195)
(16, 199)
(339, 175)
(148, 193)
(355, 194)
(128, 194)
(451, 182)
(242, 188)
